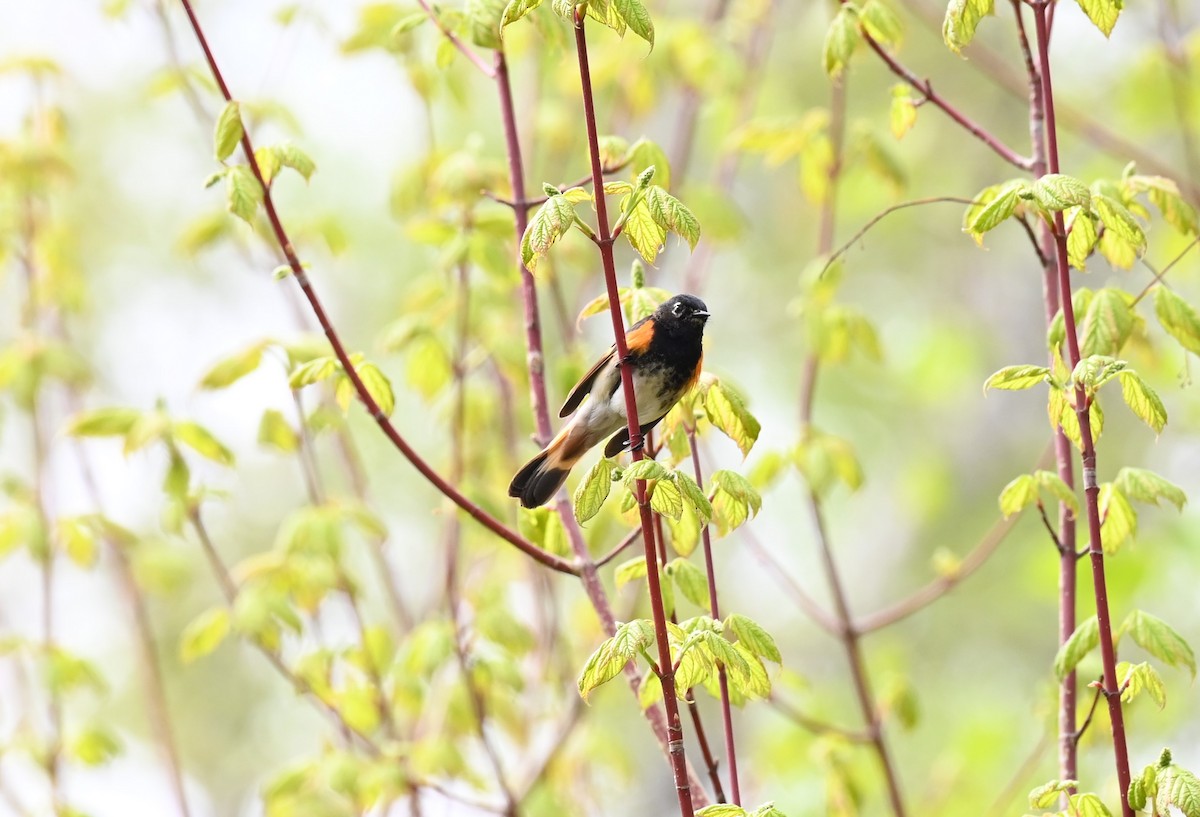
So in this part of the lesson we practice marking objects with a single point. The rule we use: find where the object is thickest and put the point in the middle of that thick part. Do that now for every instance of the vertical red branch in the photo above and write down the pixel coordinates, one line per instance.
(1068, 742)
(1091, 488)
(675, 747)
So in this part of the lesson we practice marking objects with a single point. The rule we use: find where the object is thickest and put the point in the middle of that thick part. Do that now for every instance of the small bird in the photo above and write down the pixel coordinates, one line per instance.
(665, 353)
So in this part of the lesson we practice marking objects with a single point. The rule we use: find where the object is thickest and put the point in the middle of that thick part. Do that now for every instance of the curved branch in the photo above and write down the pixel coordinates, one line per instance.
(472, 509)
(881, 215)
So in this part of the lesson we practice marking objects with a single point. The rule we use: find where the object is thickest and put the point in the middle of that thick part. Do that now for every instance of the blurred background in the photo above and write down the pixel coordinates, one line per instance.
(123, 282)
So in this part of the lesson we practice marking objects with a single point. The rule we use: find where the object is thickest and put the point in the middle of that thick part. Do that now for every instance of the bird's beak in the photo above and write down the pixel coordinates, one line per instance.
(701, 314)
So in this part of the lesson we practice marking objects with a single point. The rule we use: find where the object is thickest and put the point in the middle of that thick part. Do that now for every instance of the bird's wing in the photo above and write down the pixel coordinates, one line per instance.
(637, 340)
(584, 386)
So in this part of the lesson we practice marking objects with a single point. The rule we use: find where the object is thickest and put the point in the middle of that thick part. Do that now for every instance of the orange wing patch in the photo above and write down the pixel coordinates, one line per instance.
(638, 338)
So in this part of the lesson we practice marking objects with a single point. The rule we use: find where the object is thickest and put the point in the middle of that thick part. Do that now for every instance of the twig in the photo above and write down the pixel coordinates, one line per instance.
(816, 725)
(477, 60)
(1159, 275)
(881, 215)
(926, 90)
(301, 276)
(1083, 727)
(819, 615)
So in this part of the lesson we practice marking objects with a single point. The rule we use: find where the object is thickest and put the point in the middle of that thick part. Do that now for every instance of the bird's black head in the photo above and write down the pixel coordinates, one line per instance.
(684, 312)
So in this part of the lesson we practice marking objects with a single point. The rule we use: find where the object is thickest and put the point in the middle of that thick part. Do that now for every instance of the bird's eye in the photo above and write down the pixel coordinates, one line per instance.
(677, 309)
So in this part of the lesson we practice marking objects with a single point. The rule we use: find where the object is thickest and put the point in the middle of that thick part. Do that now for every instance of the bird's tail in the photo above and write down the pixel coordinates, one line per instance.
(543, 475)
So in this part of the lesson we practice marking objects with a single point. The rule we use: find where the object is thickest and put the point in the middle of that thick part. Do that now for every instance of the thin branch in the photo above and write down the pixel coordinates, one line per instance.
(943, 584)
(925, 88)
(301, 276)
(819, 615)
(476, 60)
(715, 612)
(1159, 275)
(620, 547)
(881, 215)
(816, 725)
(1019, 782)
(1083, 727)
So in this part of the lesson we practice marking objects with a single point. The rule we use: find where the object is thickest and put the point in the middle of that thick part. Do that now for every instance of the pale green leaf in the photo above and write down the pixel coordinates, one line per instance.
(841, 39)
(593, 490)
(1149, 487)
(1018, 495)
(1118, 519)
(229, 130)
(204, 634)
(1102, 13)
(1143, 400)
(728, 413)
(752, 635)
(1159, 639)
(1178, 318)
(1085, 639)
(1013, 378)
(229, 370)
(962, 19)
(201, 440)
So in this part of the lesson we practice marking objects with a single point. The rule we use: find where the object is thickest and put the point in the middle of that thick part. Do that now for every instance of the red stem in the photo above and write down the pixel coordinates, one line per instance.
(534, 357)
(675, 747)
(1068, 565)
(714, 608)
(473, 510)
(1091, 487)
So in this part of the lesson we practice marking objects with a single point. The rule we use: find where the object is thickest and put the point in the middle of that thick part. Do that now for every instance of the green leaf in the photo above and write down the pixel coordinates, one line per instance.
(229, 130)
(694, 496)
(313, 371)
(881, 23)
(1136, 678)
(1143, 400)
(666, 499)
(243, 193)
(643, 469)
(407, 23)
(1118, 519)
(643, 233)
(1149, 487)
(204, 634)
(1018, 495)
(94, 746)
(992, 206)
(229, 370)
(1179, 788)
(550, 223)
(269, 163)
(1107, 324)
(1056, 192)
(725, 410)
(515, 10)
(734, 500)
(1178, 318)
(1102, 13)
(962, 18)
(767, 810)
(1088, 805)
(903, 114)
(690, 580)
(296, 159)
(1159, 639)
(544, 528)
(1085, 639)
(822, 458)
(1081, 238)
(1164, 194)
(1046, 795)
(378, 386)
(483, 18)
(593, 490)
(78, 539)
(841, 39)
(105, 422)
(1143, 787)
(628, 571)
(200, 439)
(274, 431)
(637, 18)
(612, 656)
(669, 213)
(646, 153)
(721, 810)
(1014, 378)
(755, 639)
(1120, 222)
(1062, 492)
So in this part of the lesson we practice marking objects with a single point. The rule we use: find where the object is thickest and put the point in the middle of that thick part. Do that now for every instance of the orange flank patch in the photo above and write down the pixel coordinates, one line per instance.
(638, 339)
(695, 378)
